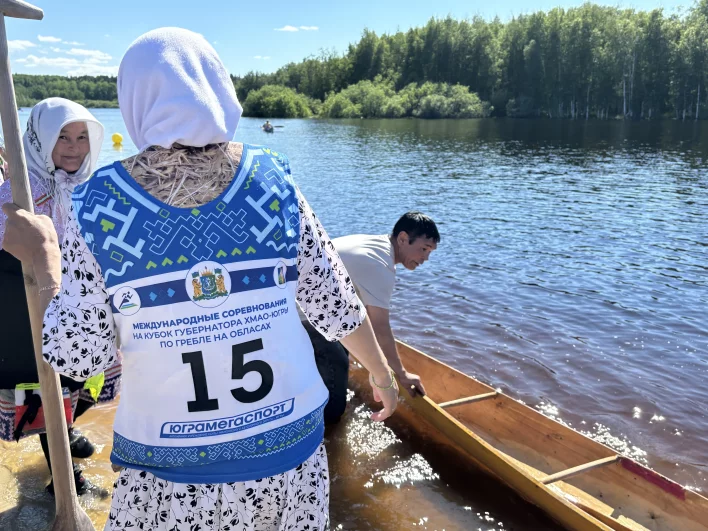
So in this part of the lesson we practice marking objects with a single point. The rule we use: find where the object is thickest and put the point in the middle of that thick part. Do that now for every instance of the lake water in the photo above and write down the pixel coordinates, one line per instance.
(572, 274)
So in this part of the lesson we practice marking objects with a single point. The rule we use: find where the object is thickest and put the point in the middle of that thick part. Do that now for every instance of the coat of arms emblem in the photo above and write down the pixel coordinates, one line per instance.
(207, 284)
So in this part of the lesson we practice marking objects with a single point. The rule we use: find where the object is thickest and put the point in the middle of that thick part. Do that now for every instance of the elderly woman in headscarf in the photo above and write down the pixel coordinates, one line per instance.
(196, 253)
(62, 144)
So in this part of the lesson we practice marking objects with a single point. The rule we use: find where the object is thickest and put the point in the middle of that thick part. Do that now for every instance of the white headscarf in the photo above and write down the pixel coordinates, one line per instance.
(46, 120)
(173, 88)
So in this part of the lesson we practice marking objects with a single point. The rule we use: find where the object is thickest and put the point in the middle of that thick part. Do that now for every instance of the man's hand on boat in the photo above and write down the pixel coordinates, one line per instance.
(411, 383)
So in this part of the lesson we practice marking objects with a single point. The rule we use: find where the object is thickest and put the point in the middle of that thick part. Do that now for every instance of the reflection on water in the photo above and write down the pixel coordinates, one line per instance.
(385, 478)
(24, 504)
(380, 480)
(411, 470)
(572, 267)
(572, 274)
(600, 433)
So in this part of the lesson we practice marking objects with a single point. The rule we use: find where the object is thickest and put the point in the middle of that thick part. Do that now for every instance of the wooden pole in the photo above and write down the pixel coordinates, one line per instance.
(69, 515)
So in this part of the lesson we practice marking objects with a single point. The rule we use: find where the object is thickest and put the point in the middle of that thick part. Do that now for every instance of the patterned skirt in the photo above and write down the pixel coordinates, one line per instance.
(110, 391)
(293, 501)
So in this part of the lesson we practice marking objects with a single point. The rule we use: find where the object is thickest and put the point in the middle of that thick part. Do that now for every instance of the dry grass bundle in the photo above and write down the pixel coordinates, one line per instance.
(184, 176)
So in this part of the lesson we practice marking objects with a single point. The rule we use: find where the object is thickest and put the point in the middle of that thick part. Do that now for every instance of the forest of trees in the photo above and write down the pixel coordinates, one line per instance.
(590, 61)
(91, 91)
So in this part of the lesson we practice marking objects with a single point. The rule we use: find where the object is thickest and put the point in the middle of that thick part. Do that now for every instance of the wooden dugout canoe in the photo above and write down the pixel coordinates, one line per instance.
(579, 482)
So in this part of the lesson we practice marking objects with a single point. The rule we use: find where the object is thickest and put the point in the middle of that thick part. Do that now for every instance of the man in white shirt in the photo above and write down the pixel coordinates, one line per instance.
(371, 262)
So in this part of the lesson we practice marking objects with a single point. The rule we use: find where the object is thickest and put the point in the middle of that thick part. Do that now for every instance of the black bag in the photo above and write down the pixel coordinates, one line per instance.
(17, 363)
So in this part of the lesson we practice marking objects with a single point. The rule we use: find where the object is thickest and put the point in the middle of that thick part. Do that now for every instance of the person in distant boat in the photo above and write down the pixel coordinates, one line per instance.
(371, 262)
(62, 145)
(267, 126)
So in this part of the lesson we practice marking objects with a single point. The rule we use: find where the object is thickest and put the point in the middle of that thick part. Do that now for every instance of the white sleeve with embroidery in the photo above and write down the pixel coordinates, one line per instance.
(79, 331)
(325, 292)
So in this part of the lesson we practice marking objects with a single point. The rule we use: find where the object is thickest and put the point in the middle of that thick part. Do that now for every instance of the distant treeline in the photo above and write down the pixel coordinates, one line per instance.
(90, 91)
(590, 61)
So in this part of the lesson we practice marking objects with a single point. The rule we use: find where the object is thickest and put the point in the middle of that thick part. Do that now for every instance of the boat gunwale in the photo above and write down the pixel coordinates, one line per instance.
(624, 464)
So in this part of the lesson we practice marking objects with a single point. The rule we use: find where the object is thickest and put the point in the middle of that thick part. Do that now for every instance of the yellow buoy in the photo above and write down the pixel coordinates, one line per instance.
(117, 138)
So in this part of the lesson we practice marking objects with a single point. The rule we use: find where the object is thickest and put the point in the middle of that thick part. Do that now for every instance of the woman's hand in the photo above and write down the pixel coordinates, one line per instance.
(362, 344)
(385, 390)
(33, 240)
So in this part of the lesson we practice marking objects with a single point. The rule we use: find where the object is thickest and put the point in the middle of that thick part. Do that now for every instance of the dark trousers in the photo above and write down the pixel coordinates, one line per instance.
(81, 407)
(333, 364)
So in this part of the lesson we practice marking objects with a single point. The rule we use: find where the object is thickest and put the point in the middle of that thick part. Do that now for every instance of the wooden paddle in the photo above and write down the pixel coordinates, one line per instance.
(69, 515)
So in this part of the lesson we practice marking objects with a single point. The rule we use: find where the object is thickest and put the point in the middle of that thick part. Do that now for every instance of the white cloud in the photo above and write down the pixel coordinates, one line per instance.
(293, 28)
(56, 50)
(49, 38)
(95, 55)
(94, 61)
(74, 67)
(264, 57)
(94, 70)
(20, 45)
(60, 62)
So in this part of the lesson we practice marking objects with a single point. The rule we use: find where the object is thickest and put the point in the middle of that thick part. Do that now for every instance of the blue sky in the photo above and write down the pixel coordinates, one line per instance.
(89, 36)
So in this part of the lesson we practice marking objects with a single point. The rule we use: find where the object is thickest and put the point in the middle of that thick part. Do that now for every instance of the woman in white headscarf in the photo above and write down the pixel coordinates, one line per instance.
(62, 144)
(196, 253)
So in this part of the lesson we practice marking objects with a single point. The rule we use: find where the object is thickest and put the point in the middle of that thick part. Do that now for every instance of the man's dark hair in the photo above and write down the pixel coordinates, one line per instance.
(416, 224)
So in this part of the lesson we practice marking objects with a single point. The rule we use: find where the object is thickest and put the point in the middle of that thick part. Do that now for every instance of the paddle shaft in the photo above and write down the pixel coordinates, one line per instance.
(68, 513)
